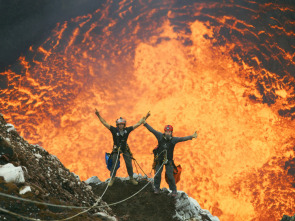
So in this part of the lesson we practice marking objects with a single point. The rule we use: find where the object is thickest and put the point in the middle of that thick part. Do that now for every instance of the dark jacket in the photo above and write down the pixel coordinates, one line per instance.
(120, 140)
(164, 144)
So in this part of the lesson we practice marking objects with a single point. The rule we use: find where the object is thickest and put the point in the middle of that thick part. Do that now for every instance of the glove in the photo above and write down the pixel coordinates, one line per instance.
(195, 135)
(142, 120)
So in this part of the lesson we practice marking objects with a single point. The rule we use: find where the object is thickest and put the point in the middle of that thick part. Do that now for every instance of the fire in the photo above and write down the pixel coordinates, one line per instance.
(136, 60)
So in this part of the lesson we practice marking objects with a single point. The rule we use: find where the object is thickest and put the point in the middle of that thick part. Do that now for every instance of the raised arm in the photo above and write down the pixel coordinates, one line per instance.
(138, 123)
(102, 120)
(181, 139)
(157, 134)
(142, 120)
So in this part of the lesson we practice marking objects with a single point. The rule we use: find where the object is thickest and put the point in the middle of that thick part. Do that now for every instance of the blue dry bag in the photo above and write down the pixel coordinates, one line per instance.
(109, 162)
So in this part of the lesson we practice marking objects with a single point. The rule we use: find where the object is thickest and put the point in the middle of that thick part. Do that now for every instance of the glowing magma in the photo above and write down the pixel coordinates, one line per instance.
(234, 168)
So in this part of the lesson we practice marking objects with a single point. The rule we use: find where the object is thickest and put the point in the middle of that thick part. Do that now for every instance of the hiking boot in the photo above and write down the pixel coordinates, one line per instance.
(174, 193)
(111, 182)
(157, 191)
(133, 181)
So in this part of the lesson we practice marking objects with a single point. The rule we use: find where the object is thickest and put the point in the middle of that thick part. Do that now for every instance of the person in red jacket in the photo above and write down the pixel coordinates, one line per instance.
(166, 144)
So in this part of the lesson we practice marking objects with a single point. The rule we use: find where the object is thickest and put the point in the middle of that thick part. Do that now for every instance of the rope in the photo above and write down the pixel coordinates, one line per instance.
(47, 204)
(89, 208)
(135, 162)
(136, 168)
(42, 203)
(112, 173)
(140, 167)
(165, 160)
(112, 204)
(143, 178)
(17, 215)
(94, 205)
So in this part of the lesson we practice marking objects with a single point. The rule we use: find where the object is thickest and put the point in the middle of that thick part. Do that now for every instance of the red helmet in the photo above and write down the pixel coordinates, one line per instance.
(168, 128)
(121, 121)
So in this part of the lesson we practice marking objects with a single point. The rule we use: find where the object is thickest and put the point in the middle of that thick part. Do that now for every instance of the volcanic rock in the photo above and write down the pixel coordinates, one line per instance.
(145, 205)
(288, 218)
(10, 173)
(25, 189)
(6, 151)
(188, 208)
(93, 180)
(29, 171)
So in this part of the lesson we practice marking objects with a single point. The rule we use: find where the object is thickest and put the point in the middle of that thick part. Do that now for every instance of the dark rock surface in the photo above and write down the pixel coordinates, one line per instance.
(145, 206)
(288, 218)
(47, 177)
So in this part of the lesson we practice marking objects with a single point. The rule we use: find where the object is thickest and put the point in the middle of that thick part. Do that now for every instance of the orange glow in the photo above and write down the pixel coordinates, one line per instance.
(235, 168)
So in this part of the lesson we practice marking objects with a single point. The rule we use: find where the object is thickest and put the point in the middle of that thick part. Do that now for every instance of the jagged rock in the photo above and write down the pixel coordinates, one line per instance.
(146, 205)
(10, 127)
(6, 151)
(288, 218)
(188, 208)
(104, 216)
(76, 176)
(25, 189)
(45, 178)
(12, 173)
(93, 180)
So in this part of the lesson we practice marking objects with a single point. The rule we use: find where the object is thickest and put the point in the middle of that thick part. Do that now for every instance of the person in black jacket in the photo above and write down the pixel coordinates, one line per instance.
(166, 144)
(120, 135)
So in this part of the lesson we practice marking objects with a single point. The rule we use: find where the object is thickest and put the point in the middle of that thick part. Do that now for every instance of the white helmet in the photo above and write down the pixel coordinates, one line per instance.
(120, 121)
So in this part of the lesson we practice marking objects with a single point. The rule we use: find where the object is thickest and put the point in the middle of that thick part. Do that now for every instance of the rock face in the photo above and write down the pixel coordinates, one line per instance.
(29, 171)
(145, 205)
(188, 208)
(288, 218)
(93, 180)
(10, 173)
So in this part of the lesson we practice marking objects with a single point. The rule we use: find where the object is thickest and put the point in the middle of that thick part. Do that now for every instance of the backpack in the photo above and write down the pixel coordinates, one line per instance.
(176, 173)
(109, 161)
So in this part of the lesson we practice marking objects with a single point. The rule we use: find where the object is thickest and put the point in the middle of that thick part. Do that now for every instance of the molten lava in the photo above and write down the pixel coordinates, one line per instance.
(203, 67)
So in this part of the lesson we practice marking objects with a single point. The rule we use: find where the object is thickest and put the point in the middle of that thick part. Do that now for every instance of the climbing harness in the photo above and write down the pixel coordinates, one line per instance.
(176, 169)
(176, 172)
(109, 158)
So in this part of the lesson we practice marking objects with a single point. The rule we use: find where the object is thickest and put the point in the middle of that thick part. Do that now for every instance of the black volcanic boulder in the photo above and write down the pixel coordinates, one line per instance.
(6, 151)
